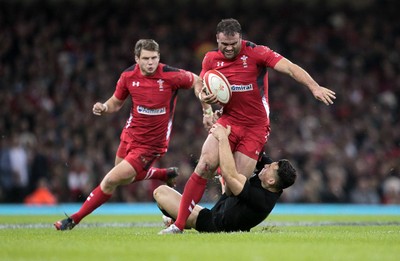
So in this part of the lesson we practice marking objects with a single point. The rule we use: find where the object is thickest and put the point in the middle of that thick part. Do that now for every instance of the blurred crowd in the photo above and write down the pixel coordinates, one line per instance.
(57, 58)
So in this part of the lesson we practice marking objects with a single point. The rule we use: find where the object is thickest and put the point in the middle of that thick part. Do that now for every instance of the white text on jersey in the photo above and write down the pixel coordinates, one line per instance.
(147, 111)
(242, 88)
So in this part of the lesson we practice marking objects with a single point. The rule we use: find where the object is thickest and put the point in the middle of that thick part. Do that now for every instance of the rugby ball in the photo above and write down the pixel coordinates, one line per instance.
(216, 83)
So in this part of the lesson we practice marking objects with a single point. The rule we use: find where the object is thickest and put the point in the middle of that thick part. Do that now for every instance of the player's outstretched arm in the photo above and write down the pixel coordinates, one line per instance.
(300, 75)
(111, 105)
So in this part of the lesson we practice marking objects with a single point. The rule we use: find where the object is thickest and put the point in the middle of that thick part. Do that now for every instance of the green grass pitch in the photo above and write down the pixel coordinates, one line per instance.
(134, 237)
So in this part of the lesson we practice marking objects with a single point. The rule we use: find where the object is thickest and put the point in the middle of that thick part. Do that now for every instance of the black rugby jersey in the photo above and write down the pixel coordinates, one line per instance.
(246, 210)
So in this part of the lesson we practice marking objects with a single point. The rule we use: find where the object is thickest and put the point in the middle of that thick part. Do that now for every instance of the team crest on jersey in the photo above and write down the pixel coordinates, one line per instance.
(147, 111)
(160, 85)
(244, 60)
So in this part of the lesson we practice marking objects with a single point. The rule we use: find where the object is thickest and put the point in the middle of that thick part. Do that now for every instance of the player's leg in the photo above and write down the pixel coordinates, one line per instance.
(122, 150)
(117, 160)
(131, 169)
(168, 175)
(249, 148)
(244, 164)
(168, 199)
(196, 185)
(121, 174)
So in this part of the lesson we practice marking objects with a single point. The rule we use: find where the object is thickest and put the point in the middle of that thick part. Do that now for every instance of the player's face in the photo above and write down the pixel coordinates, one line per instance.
(148, 62)
(229, 45)
(269, 173)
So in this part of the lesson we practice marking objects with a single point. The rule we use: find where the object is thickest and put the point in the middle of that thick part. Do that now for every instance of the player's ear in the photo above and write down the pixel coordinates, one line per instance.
(271, 181)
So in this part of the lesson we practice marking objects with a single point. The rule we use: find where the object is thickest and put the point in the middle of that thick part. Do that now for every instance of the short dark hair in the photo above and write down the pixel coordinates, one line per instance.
(229, 27)
(286, 173)
(146, 44)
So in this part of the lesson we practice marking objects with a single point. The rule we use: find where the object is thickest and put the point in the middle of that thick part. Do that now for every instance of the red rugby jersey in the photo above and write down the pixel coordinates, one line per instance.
(153, 103)
(247, 73)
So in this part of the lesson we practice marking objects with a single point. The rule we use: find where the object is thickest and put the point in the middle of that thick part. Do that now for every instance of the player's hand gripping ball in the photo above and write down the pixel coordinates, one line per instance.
(216, 83)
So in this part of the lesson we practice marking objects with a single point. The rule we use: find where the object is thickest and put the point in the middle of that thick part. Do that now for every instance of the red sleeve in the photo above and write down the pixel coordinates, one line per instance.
(121, 90)
(269, 57)
(206, 64)
(183, 79)
(186, 79)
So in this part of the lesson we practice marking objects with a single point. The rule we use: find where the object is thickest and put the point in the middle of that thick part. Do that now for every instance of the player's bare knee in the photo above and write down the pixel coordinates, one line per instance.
(156, 194)
(159, 192)
(205, 169)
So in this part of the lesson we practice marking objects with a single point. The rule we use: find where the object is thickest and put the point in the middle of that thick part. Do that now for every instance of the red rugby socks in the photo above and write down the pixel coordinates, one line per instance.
(96, 198)
(192, 194)
(153, 173)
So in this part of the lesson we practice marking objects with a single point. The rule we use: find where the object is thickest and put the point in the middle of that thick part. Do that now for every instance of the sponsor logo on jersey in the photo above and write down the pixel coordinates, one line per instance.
(147, 111)
(242, 88)
(135, 84)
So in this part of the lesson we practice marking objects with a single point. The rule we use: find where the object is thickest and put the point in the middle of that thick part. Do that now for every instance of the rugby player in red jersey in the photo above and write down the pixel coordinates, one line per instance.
(245, 66)
(152, 87)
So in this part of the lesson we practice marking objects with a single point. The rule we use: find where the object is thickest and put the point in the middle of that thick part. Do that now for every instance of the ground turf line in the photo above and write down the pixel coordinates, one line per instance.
(156, 224)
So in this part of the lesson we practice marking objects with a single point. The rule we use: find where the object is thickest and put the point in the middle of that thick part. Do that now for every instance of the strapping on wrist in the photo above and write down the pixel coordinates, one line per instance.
(208, 112)
(106, 107)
